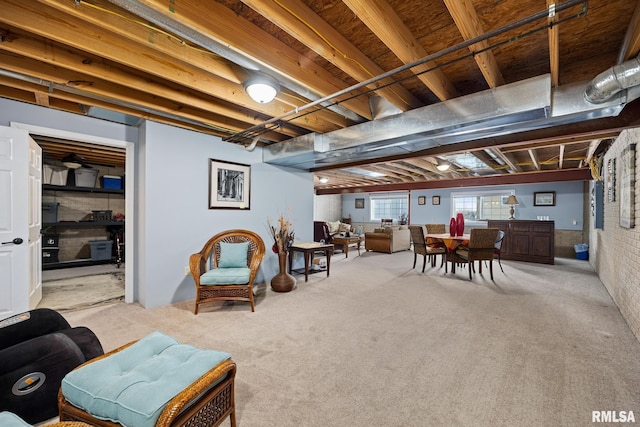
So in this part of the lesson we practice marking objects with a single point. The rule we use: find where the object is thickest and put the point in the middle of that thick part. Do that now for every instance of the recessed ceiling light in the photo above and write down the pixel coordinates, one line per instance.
(324, 180)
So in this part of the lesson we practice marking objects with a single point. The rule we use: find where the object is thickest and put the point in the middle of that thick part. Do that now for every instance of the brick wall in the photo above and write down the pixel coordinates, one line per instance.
(614, 251)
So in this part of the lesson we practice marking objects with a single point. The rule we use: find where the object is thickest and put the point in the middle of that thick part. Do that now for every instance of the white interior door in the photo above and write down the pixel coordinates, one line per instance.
(35, 223)
(20, 222)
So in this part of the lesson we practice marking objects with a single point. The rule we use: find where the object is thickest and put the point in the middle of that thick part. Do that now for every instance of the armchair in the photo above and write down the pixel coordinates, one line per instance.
(37, 349)
(389, 239)
(322, 232)
(225, 268)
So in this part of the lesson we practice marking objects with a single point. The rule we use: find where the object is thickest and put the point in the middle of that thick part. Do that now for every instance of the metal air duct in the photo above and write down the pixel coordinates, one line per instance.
(522, 106)
(613, 80)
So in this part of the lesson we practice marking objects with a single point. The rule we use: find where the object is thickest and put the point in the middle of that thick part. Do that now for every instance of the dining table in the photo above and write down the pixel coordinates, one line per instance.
(450, 242)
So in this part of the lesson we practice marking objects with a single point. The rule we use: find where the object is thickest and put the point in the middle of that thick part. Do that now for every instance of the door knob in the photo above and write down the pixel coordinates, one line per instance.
(16, 241)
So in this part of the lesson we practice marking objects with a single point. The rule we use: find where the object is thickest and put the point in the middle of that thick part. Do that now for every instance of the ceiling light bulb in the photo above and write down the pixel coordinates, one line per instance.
(324, 180)
(443, 166)
(261, 88)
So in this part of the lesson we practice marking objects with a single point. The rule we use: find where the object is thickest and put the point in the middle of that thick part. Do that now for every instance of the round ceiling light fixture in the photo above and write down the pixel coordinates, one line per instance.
(442, 166)
(324, 180)
(261, 88)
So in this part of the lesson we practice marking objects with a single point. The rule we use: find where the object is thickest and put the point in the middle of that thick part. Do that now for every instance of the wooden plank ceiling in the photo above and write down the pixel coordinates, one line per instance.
(183, 62)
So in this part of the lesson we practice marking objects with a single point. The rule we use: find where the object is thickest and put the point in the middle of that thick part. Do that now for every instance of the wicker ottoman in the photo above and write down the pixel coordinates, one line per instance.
(152, 382)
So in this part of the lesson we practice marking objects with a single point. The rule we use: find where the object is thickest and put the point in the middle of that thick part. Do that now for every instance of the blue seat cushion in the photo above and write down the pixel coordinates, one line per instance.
(9, 419)
(225, 276)
(233, 255)
(134, 385)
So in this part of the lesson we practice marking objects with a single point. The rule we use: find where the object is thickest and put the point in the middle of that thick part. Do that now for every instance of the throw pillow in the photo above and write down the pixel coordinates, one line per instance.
(333, 226)
(344, 227)
(233, 255)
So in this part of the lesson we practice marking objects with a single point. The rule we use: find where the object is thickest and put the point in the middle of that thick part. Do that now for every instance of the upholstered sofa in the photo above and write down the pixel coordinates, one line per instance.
(389, 239)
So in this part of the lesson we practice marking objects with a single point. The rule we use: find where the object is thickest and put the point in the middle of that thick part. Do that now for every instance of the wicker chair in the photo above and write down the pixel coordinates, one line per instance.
(421, 248)
(498, 248)
(481, 247)
(438, 229)
(207, 260)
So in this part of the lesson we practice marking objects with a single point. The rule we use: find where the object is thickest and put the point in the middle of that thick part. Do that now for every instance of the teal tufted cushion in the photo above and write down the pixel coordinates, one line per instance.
(134, 385)
(225, 276)
(233, 255)
(9, 419)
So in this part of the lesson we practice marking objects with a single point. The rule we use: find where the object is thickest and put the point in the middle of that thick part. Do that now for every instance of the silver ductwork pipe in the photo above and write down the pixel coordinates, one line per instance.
(613, 80)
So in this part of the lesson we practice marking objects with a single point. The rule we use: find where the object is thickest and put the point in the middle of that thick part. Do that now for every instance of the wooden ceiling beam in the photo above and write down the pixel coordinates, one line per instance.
(424, 174)
(521, 178)
(506, 159)
(154, 38)
(116, 94)
(74, 104)
(422, 164)
(385, 23)
(485, 158)
(130, 27)
(221, 24)
(51, 53)
(301, 22)
(534, 159)
(554, 44)
(42, 99)
(51, 23)
(466, 19)
(631, 43)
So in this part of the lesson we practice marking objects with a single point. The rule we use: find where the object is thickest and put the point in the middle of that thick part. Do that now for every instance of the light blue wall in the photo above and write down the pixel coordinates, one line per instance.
(13, 111)
(568, 209)
(172, 219)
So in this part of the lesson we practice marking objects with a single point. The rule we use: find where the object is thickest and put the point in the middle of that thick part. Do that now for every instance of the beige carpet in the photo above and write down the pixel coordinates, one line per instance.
(81, 292)
(381, 344)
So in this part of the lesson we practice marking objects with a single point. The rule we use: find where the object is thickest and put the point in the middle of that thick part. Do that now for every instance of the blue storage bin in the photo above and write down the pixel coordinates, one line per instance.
(112, 182)
(582, 251)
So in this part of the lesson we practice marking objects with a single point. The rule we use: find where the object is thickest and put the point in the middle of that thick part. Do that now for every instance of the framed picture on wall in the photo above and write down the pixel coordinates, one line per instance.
(611, 180)
(627, 187)
(229, 185)
(422, 200)
(547, 198)
(435, 200)
(359, 203)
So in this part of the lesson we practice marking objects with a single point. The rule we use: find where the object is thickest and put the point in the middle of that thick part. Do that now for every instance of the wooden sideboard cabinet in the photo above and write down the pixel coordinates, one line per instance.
(531, 241)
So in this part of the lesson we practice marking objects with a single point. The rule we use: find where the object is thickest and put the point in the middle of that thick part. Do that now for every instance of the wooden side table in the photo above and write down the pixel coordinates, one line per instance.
(346, 241)
(308, 249)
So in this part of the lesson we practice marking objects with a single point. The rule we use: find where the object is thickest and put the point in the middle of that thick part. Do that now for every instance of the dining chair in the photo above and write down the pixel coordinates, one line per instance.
(498, 248)
(481, 247)
(437, 229)
(420, 247)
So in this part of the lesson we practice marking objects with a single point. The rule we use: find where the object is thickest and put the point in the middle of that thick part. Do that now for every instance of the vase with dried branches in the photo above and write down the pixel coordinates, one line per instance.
(283, 234)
